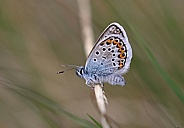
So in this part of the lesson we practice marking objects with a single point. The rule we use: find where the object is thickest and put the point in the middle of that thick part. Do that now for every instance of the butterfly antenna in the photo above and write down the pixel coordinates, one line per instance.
(65, 70)
(64, 65)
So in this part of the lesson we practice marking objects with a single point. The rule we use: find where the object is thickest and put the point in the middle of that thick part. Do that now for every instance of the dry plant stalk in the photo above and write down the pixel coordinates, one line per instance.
(88, 39)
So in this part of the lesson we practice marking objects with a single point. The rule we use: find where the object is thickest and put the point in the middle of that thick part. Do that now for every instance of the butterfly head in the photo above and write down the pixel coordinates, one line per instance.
(80, 71)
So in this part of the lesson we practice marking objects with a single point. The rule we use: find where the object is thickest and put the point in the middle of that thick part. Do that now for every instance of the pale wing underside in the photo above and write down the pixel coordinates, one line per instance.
(111, 54)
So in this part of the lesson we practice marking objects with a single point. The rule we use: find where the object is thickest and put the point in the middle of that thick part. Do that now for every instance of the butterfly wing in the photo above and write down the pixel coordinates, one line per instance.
(111, 54)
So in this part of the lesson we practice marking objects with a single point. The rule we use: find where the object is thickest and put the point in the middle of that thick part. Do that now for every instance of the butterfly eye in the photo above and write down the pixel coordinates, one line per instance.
(81, 71)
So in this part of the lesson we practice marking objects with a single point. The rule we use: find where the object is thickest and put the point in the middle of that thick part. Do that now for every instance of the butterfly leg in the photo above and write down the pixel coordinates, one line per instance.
(90, 83)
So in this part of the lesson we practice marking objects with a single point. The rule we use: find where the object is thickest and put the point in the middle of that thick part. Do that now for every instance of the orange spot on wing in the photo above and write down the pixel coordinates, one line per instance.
(121, 50)
(115, 42)
(108, 41)
(120, 64)
(122, 55)
(119, 45)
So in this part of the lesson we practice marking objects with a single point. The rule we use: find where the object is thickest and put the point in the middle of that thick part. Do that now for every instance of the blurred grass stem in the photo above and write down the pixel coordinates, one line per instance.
(88, 39)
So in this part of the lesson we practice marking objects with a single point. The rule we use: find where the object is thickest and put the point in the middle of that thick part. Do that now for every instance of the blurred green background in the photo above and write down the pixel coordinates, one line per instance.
(36, 36)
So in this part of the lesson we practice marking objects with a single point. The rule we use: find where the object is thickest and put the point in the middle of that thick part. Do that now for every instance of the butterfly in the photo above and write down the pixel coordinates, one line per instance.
(109, 59)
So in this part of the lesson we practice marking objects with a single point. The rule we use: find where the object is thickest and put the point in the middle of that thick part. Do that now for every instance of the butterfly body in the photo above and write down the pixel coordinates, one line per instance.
(93, 79)
(109, 59)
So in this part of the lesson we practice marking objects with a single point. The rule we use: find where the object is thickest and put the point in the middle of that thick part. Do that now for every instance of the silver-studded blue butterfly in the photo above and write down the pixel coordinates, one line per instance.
(109, 59)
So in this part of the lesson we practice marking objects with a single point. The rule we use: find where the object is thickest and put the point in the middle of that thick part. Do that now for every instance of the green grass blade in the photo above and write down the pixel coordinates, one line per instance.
(170, 82)
(96, 122)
